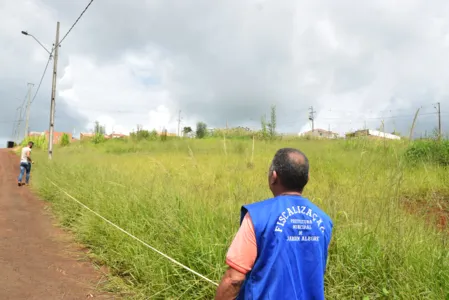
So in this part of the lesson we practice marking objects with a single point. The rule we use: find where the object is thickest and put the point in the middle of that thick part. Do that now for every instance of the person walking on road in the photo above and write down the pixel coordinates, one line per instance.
(25, 163)
(281, 248)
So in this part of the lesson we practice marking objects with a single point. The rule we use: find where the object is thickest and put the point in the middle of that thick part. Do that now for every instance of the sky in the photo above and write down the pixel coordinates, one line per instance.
(147, 62)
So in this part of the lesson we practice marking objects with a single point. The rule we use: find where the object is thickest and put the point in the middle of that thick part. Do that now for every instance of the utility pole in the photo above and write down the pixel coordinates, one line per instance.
(312, 117)
(30, 86)
(16, 120)
(179, 123)
(18, 124)
(53, 95)
(439, 121)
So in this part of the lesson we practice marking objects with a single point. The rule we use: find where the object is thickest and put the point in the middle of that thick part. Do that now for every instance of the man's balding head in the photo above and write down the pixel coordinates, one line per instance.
(289, 171)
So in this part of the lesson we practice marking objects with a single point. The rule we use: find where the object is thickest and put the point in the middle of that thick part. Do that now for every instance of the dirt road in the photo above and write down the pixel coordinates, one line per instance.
(38, 261)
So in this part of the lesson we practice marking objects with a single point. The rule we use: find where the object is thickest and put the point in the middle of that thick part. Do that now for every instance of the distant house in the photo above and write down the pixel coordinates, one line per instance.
(374, 134)
(115, 135)
(242, 128)
(36, 134)
(56, 135)
(167, 133)
(320, 133)
(89, 135)
(86, 135)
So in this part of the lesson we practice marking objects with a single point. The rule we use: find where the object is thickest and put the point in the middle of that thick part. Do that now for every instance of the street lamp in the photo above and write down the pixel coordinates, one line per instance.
(53, 88)
(26, 33)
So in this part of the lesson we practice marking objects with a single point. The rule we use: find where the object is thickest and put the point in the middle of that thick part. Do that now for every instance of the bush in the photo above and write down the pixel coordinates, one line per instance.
(240, 133)
(142, 134)
(428, 151)
(201, 130)
(98, 138)
(65, 140)
(40, 142)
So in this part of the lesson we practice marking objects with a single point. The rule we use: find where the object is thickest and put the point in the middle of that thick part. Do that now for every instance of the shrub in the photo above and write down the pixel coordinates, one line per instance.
(201, 130)
(142, 134)
(428, 151)
(65, 140)
(98, 138)
(241, 133)
(40, 142)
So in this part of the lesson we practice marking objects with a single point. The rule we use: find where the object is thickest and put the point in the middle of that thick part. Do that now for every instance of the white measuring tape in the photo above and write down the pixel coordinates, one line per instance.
(136, 238)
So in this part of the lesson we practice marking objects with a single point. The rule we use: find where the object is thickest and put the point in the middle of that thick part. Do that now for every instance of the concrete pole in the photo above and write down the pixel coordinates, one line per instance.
(53, 95)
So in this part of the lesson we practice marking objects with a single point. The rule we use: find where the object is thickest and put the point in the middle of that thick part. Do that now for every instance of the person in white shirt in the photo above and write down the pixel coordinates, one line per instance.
(25, 163)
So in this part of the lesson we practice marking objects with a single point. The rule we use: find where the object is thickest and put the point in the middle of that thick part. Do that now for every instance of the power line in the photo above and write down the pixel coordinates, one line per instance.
(11, 122)
(23, 103)
(377, 111)
(42, 78)
(377, 118)
(22, 118)
(141, 111)
(82, 13)
(361, 120)
(51, 53)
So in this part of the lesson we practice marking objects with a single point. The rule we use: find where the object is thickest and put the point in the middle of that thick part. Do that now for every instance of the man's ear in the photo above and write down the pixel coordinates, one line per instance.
(273, 178)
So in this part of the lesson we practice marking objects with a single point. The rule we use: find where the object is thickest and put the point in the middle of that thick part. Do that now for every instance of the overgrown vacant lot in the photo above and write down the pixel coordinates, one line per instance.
(183, 197)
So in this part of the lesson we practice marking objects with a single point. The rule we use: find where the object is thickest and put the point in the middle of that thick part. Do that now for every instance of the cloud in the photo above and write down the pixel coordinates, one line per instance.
(23, 61)
(121, 94)
(228, 61)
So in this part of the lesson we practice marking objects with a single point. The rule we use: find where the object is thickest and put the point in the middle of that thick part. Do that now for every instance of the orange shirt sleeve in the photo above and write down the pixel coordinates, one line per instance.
(243, 250)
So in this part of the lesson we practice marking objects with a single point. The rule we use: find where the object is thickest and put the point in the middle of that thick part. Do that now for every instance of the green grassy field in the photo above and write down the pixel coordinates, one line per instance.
(184, 196)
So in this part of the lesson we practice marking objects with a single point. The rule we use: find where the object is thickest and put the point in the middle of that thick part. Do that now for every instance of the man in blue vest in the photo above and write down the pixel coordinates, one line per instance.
(280, 250)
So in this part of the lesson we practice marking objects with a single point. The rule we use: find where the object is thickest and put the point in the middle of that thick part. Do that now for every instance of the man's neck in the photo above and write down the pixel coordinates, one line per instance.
(289, 193)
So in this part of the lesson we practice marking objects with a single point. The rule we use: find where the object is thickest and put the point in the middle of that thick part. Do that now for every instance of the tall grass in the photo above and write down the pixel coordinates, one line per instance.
(40, 142)
(183, 197)
(429, 151)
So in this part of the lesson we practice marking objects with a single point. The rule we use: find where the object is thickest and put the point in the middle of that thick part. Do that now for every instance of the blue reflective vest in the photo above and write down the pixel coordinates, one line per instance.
(292, 236)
